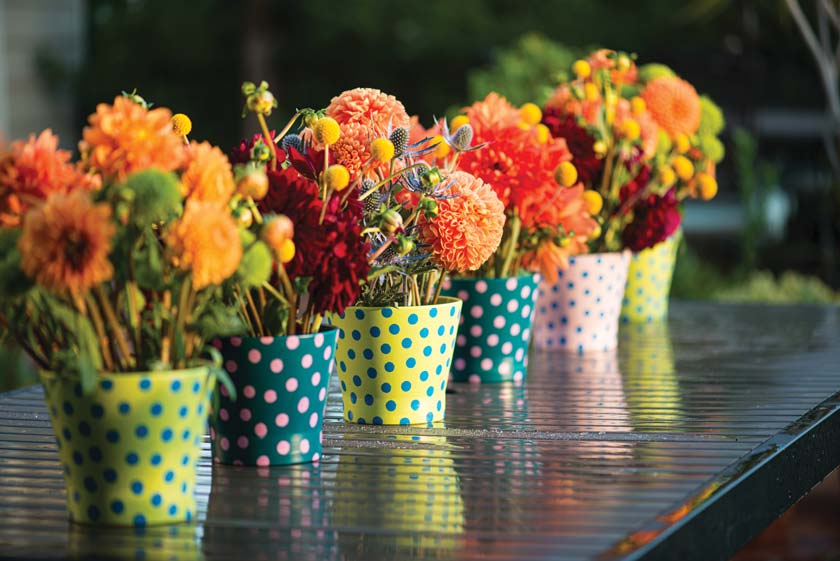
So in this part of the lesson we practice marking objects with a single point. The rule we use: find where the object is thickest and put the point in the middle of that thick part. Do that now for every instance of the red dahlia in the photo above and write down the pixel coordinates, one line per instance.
(578, 142)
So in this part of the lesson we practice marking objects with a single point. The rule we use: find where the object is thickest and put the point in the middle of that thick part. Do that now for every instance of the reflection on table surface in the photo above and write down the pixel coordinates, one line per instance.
(592, 456)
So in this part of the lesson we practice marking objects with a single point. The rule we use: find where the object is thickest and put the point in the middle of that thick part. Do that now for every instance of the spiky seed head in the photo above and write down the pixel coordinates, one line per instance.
(463, 137)
(292, 141)
(399, 138)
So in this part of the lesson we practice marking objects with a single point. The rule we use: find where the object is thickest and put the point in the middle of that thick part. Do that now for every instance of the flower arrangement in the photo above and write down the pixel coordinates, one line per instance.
(115, 263)
(403, 222)
(517, 156)
(302, 232)
(642, 140)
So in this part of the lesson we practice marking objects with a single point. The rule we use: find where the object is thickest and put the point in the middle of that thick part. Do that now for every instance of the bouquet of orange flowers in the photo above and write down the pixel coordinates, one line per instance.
(642, 140)
(529, 169)
(116, 263)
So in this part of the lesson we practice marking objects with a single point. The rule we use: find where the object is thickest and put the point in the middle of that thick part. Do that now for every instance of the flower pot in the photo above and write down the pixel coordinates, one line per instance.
(130, 448)
(579, 313)
(495, 328)
(393, 363)
(649, 282)
(281, 388)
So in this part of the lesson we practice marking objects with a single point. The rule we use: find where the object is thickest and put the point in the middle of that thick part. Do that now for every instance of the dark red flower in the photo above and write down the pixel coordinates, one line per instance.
(655, 219)
(333, 253)
(578, 141)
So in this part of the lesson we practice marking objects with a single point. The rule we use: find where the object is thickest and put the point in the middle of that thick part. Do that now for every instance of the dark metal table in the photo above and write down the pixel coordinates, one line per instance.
(682, 445)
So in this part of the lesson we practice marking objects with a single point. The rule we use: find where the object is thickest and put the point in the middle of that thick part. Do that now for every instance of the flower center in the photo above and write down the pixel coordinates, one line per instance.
(76, 250)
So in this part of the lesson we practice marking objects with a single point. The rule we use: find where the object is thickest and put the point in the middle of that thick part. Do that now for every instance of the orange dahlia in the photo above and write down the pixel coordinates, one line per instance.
(368, 107)
(674, 105)
(468, 226)
(206, 242)
(66, 241)
(493, 113)
(31, 171)
(207, 176)
(126, 137)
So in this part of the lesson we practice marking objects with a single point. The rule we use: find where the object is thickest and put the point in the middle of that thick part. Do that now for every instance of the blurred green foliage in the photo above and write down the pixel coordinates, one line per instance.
(788, 288)
(527, 71)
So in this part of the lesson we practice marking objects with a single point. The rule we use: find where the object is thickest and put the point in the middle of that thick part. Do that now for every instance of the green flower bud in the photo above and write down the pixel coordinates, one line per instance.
(391, 223)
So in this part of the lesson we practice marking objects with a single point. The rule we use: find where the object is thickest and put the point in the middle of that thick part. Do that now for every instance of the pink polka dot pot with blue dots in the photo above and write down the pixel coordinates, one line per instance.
(579, 313)
(281, 393)
(495, 328)
(129, 449)
(393, 363)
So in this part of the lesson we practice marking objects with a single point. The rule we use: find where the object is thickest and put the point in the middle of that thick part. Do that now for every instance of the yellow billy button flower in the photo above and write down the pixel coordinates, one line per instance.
(530, 113)
(600, 148)
(681, 143)
(543, 134)
(337, 177)
(683, 167)
(581, 69)
(667, 176)
(707, 185)
(590, 91)
(596, 232)
(637, 106)
(286, 252)
(566, 174)
(326, 131)
(458, 122)
(630, 129)
(442, 149)
(382, 150)
(594, 202)
(181, 124)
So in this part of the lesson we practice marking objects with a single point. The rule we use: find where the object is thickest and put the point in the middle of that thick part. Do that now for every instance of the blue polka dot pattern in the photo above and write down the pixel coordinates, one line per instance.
(111, 444)
(281, 386)
(649, 282)
(406, 475)
(579, 313)
(495, 328)
(381, 383)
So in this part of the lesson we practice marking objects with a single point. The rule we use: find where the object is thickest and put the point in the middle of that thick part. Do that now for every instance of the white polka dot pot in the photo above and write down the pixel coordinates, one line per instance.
(649, 282)
(579, 313)
(495, 327)
(130, 448)
(393, 363)
(281, 393)
(414, 488)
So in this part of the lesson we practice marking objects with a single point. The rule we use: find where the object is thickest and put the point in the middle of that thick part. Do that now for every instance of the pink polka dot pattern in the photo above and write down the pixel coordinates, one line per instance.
(493, 336)
(281, 383)
(580, 312)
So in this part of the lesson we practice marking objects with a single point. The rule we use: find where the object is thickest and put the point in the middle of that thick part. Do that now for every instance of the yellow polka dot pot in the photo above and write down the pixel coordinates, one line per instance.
(393, 363)
(129, 449)
(579, 313)
(495, 328)
(649, 282)
(281, 384)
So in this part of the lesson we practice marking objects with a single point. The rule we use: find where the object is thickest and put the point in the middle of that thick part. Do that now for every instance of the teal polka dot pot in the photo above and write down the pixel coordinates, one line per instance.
(579, 313)
(393, 363)
(281, 388)
(129, 449)
(495, 328)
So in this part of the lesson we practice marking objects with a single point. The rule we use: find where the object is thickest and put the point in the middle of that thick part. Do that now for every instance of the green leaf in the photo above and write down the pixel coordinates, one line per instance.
(220, 373)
